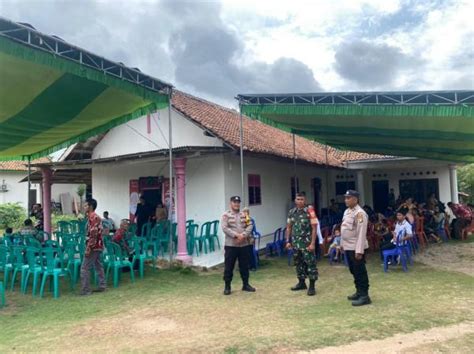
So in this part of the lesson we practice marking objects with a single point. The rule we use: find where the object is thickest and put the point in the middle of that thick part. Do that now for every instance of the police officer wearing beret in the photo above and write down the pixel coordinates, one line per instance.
(354, 242)
(237, 234)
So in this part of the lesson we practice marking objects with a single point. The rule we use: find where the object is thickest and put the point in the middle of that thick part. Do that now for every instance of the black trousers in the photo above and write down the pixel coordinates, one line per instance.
(359, 272)
(231, 255)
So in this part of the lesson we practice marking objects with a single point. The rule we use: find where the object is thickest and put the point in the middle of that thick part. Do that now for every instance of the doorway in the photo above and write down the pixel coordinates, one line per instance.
(316, 184)
(32, 198)
(380, 196)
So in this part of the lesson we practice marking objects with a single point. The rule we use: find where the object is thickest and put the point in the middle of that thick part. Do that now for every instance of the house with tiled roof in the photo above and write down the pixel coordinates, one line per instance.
(14, 188)
(132, 159)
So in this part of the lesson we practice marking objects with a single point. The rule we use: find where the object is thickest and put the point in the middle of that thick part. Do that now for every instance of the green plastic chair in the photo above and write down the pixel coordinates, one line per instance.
(192, 243)
(18, 263)
(154, 239)
(2, 295)
(116, 262)
(52, 258)
(65, 227)
(73, 262)
(146, 230)
(140, 255)
(5, 265)
(31, 241)
(132, 228)
(203, 238)
(35, 268)
(214, 236)
(43, 236)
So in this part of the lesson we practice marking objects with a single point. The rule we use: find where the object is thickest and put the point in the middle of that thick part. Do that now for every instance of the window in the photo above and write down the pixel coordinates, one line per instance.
(293, 189)
(342, 187)
(419, 189)
(255, 190)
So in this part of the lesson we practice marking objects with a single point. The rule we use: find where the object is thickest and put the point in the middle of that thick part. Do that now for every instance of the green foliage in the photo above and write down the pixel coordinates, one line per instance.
(466, 181)
(12, 215)
(81, 190)
(59, 217)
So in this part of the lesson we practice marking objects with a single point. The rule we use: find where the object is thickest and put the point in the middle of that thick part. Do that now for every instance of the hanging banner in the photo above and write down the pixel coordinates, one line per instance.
(134, 198)
(165, 192)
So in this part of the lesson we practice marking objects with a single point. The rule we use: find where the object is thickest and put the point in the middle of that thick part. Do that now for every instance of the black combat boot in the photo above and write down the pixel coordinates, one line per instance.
(353, 297)
(311, 289)
(362, 300)
(247, 287)
(300, 286)
(227, 290)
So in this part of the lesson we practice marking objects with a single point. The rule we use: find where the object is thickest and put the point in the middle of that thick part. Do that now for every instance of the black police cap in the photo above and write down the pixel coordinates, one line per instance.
(235, 198)
(352, 193)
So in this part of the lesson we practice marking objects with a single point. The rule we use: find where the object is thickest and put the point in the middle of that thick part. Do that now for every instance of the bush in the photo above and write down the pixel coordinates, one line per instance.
(12, 215)
(59, 217)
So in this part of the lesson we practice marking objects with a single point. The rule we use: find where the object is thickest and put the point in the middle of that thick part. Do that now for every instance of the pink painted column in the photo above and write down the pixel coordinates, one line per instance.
(180, 173)
(46, 173)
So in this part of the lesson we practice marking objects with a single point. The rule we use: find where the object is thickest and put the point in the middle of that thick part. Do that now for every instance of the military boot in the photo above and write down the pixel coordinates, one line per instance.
(227, 289)
(311, 289)
(362, 300)
(247, 287)
(300, 286)
(353, 297)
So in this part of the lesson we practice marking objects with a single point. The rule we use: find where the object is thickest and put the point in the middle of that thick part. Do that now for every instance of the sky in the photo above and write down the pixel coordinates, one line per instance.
(216, 50)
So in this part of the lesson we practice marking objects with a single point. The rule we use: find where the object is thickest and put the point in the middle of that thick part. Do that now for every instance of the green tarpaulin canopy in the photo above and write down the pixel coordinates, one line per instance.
(48, 101)
(443, 131)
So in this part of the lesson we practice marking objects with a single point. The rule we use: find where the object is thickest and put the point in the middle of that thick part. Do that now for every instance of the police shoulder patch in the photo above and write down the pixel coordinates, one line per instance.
(360, 217)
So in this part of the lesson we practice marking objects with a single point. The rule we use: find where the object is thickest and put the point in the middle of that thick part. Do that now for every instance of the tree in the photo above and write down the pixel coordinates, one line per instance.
(81, 191)
(466, 181)
(11, 215)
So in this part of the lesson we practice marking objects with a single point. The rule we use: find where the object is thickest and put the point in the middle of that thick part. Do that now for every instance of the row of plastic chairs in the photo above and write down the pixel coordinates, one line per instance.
(23, 262)
(202, 239)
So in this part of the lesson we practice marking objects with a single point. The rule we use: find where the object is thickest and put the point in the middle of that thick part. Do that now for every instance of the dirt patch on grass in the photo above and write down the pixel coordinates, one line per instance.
(405, 343)
(136, 323)
(453, 257)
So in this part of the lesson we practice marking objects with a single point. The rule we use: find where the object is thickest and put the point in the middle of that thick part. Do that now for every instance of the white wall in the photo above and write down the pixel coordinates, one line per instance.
(133, 136)
(394, 176)
(18, 192)
(275, 188)
(204, 190)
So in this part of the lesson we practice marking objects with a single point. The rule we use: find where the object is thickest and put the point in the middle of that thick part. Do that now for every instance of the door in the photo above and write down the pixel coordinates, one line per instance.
(32, 198)
(380, 196)
(317, 194)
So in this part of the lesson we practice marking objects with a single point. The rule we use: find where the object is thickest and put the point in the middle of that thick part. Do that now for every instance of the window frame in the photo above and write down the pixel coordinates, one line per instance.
(254, 182)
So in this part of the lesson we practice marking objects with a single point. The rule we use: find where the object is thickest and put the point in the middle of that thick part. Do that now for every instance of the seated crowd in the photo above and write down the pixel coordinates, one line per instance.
(432, 221)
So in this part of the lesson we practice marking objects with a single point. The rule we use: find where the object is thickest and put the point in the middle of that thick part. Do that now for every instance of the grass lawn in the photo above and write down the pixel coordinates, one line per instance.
(180, 310)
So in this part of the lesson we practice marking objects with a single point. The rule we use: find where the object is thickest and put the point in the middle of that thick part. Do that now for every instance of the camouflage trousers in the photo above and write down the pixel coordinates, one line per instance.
(305, 263)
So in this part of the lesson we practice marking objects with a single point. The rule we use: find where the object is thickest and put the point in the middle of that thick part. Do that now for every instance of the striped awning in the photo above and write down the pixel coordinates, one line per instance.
(49, 101)
(433, 131)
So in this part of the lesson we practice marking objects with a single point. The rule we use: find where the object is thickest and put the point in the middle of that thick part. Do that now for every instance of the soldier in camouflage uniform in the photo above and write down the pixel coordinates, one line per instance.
(302, 223)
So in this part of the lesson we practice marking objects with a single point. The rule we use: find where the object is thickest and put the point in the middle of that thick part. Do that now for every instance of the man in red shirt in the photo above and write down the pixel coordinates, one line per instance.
(94, 249)
(463, 218)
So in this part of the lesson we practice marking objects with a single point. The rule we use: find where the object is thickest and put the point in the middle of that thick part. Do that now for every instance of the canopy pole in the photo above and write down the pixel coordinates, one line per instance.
(295, 181)
(327, 182)
(242, 154)
(28, 208)
(171, 191)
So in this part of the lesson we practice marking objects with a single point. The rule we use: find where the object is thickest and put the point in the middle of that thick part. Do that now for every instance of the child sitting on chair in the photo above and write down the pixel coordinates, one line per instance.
(336, 244)
(251, 239)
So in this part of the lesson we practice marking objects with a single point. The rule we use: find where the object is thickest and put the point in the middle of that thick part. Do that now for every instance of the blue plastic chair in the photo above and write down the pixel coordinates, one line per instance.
(35, 268)
(5, 265)
(441, 231)
(256, 247)
(400, 251)
(272, 247)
